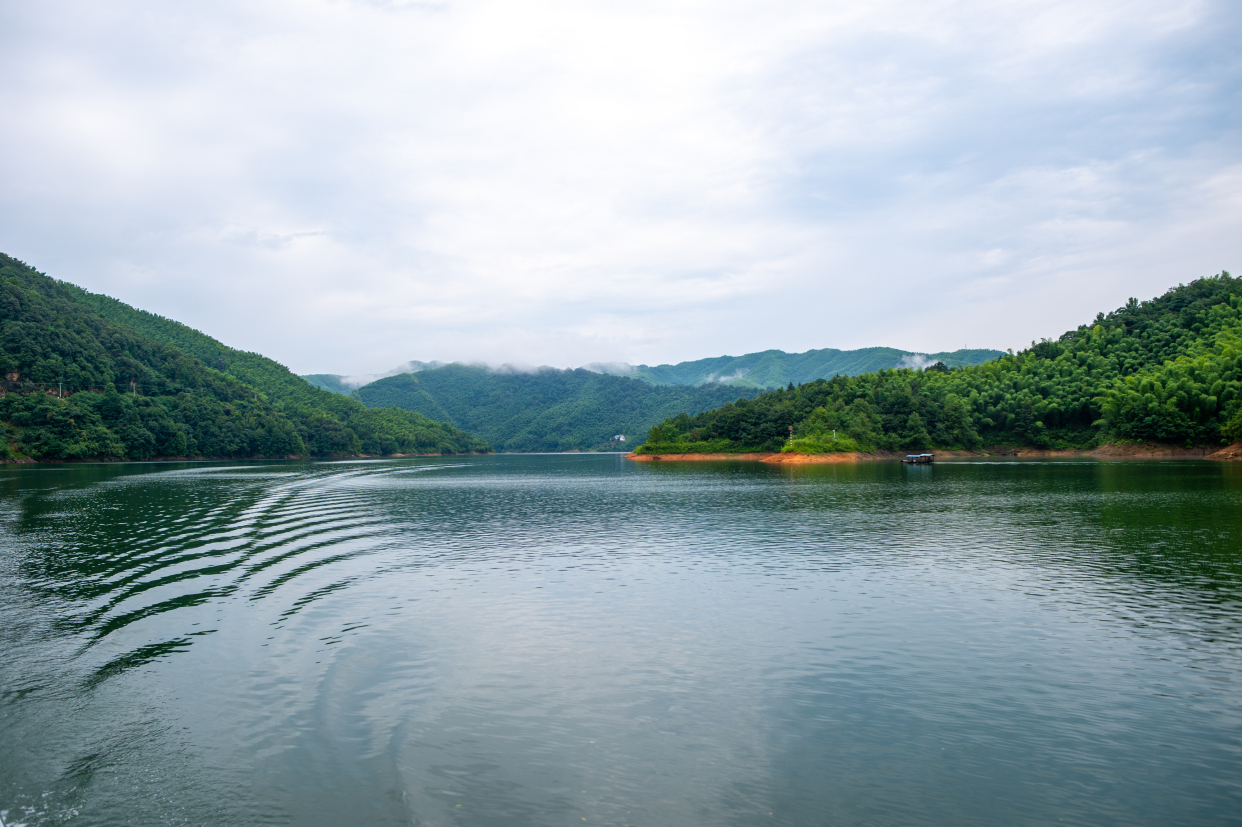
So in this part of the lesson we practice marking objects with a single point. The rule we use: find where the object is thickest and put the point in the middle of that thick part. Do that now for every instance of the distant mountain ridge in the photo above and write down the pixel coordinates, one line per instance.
(776, 368)
(518, 408)
(764, 369)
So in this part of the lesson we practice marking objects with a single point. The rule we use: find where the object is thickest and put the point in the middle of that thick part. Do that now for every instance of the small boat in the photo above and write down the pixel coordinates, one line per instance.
(918, 459)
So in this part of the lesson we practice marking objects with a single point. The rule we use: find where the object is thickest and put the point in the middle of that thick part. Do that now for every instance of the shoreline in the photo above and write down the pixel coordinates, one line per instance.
(1104, 452)
(113, 460)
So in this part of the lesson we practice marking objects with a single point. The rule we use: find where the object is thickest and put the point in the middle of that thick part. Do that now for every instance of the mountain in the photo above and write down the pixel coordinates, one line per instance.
(1167, 370)
(87, 376)
(776, 368)
(767, 369)
(544, 409)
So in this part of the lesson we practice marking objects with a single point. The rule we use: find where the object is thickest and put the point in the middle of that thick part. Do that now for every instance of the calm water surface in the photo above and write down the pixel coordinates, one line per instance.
(553, 640)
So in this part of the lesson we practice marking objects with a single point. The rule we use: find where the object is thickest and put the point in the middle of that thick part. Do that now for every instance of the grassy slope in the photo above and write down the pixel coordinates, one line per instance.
(549, 410)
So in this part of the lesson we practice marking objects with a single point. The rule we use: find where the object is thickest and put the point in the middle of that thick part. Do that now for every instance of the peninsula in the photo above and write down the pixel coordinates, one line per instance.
(1153, 378)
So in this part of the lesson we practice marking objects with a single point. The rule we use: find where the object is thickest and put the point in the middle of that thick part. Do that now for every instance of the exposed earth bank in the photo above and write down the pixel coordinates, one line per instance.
(795, 459)
(1150, 451)
(697, 457)
(1234, 452)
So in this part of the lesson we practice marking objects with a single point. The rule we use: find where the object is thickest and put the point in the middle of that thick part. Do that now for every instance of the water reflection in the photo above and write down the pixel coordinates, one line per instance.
(534, 640)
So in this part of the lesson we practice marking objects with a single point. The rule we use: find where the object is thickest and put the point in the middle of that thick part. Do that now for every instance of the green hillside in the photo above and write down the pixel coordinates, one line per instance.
(769, 369)
(1167, 370)
(90, 377)
(547, 410)
(776, 368)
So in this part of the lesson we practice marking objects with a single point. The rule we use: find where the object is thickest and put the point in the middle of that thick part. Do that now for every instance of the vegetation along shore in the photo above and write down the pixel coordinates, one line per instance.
(1152, 378)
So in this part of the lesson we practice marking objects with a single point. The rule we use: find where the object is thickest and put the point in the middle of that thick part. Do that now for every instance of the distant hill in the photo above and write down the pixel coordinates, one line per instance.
(776, 368)
(547, 409)
(88, 377)
(766, 369)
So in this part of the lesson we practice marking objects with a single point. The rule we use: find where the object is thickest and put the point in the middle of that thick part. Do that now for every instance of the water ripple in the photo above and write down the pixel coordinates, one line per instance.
(534, 640)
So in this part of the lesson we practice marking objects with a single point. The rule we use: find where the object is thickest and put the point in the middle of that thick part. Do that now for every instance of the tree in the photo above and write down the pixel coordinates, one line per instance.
(914, 435)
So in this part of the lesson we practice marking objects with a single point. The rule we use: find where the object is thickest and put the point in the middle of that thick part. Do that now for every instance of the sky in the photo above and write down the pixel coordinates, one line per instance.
(345, 185)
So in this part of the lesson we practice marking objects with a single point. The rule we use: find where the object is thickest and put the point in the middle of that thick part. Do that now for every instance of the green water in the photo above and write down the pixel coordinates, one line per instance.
(557, 640)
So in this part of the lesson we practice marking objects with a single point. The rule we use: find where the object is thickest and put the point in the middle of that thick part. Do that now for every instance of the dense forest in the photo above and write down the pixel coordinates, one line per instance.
(543, 410)
(776, 368)
(87, 377)
(585, 409)
(1166, 371)
(762, 371)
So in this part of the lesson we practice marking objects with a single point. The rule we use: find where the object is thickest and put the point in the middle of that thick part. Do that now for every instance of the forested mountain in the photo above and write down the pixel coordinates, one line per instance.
(1167, 370)
(776, 368)
(769, 369)
(89, 377)
(544, 410)
(556, 410)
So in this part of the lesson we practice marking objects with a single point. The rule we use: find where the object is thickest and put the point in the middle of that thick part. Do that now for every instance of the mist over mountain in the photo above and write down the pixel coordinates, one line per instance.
(776, 368)
(765, 369)
(345, 384)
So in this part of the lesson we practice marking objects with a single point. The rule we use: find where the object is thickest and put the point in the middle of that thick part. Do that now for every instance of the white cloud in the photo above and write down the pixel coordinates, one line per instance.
(348, 185)
(914, 360)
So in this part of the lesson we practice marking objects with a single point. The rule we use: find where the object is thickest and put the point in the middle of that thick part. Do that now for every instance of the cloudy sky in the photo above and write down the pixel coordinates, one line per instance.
(345, 186)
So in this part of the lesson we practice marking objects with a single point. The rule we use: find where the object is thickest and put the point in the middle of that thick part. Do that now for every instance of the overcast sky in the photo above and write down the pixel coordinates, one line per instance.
(344, 186)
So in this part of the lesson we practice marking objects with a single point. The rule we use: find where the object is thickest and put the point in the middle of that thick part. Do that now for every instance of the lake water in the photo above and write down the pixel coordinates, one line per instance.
(569, 639)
